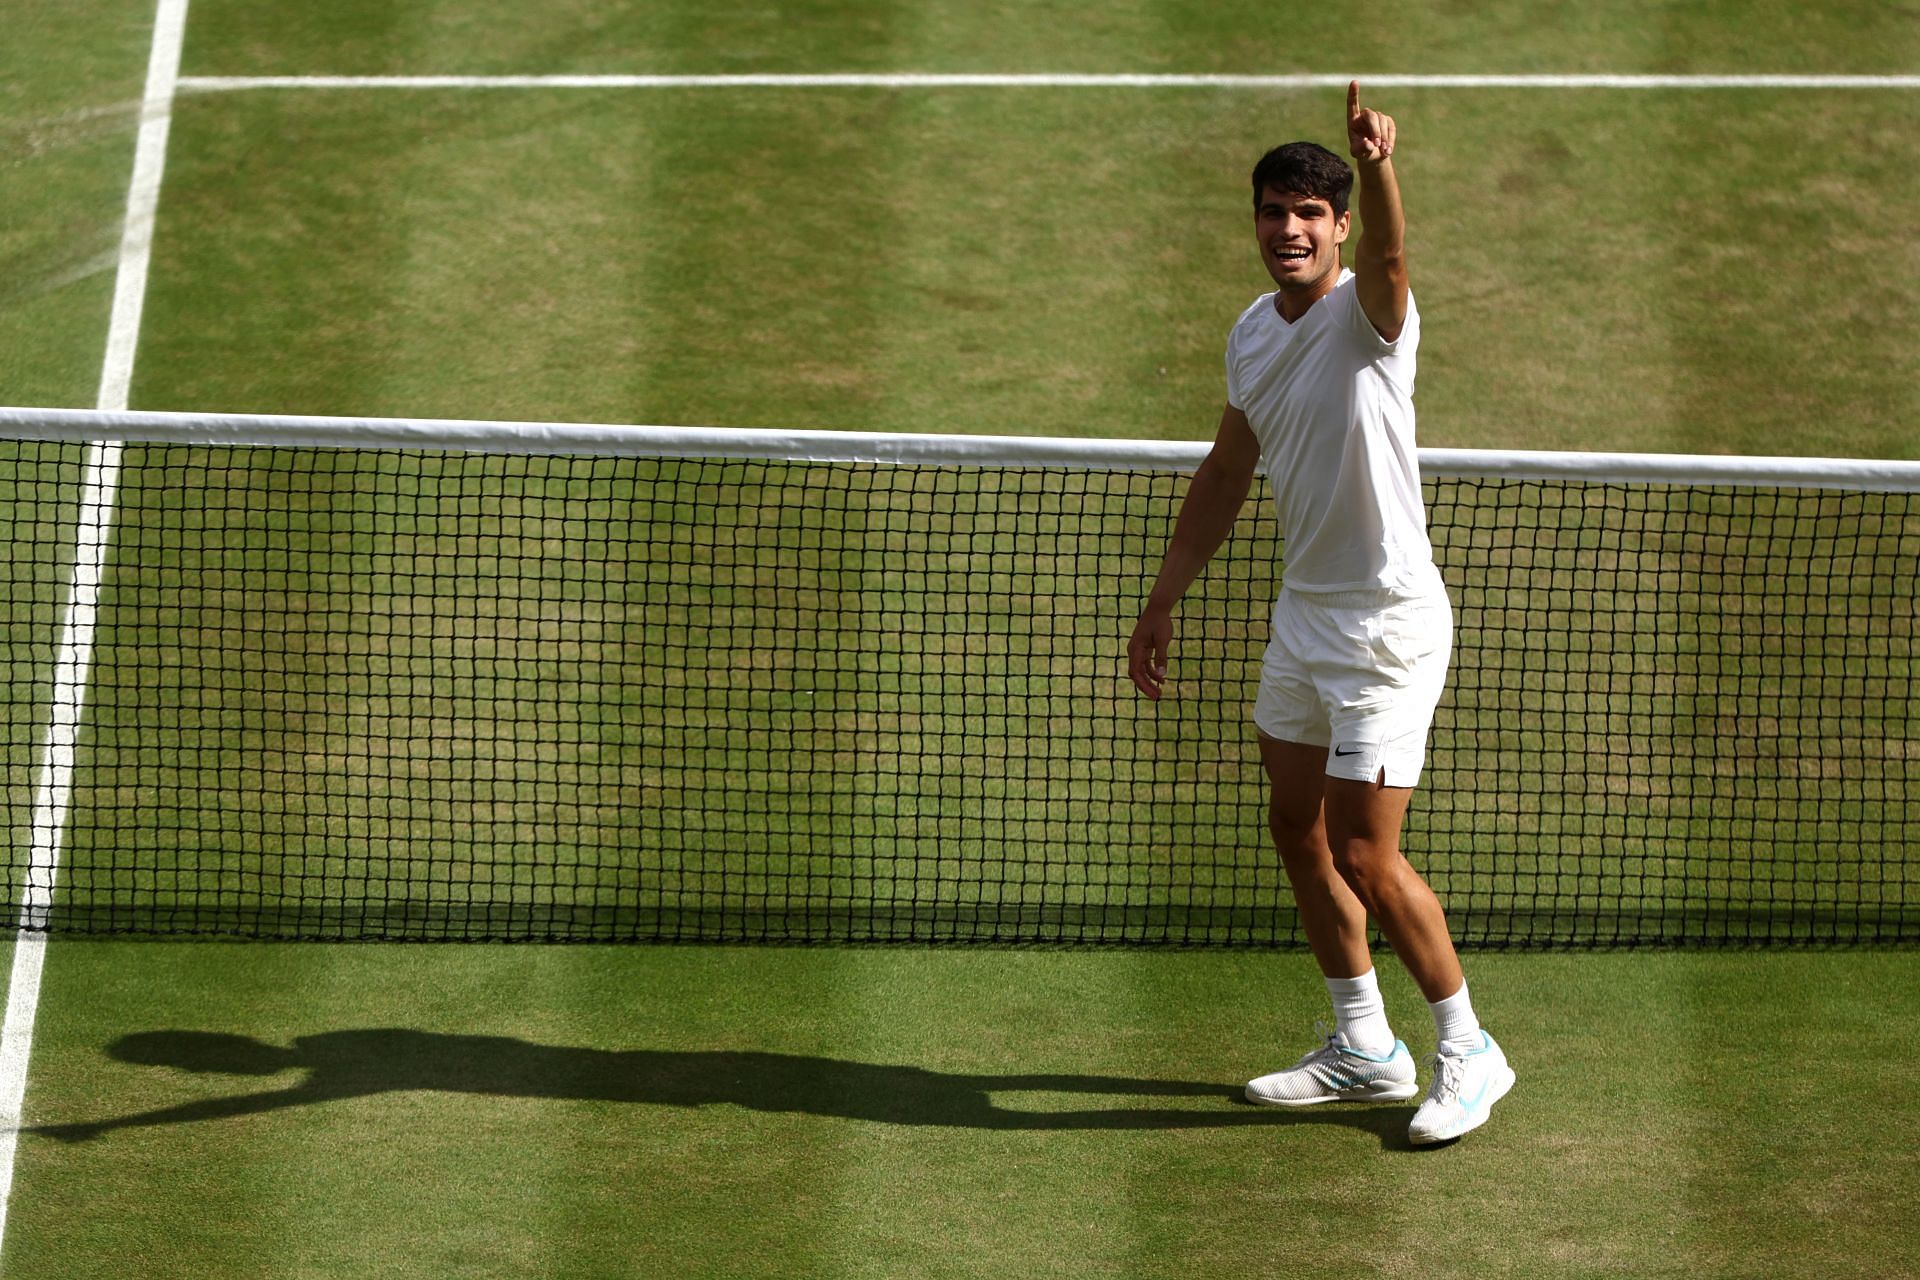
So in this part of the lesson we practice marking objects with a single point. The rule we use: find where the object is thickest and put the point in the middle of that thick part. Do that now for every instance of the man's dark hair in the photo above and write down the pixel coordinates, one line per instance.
(1306, 169)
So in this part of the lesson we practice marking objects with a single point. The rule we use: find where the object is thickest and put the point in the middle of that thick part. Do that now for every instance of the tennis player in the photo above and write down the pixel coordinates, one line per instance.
(1320, 388)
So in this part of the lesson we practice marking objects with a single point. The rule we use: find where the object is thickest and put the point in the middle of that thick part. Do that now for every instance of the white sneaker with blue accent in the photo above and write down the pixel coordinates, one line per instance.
(1336, 1073)
(1465, 1087)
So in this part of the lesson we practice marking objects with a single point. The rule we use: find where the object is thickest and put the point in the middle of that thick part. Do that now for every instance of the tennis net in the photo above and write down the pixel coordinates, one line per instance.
(331, 679)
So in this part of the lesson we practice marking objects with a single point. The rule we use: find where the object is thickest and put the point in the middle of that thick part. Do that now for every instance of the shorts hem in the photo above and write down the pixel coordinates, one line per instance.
(1383, 773)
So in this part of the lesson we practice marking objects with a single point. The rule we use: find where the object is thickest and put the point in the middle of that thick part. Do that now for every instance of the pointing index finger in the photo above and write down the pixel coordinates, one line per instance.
(1353, 99)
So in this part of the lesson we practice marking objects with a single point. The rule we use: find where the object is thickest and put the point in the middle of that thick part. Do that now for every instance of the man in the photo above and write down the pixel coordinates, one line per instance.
(1319, 386)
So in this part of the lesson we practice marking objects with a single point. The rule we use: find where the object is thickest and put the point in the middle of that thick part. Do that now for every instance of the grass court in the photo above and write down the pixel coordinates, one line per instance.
(1671, 270)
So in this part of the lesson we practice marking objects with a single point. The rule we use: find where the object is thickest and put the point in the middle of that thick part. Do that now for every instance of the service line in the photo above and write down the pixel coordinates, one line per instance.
(935, 80)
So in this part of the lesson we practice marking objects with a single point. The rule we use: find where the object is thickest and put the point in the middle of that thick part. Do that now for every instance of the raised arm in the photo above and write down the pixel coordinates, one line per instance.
(242, 1104)
(1212, 504)
(1380, 259)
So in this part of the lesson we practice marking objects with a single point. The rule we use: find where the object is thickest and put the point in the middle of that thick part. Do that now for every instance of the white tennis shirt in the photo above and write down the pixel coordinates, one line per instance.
(1331, 403)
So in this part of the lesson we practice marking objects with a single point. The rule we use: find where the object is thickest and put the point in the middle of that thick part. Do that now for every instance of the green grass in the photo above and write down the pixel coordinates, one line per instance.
(70, 84)
(1039, 261)
(1666, 271)
(252, 37)
(1594, 274)
(963, 260)
(890, 1113)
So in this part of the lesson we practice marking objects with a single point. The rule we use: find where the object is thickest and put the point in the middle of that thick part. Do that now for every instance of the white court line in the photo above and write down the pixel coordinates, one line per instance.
(74, 656)
(914, 80)
(143, 202)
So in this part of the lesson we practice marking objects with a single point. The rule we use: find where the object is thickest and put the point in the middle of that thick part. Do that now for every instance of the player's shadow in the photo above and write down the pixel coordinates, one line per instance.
(339, 1065)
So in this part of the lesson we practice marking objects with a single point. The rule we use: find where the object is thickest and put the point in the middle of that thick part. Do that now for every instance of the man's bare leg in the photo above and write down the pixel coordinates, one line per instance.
(1471, 1072)
(1362, 1061)
(1363, 821)
(1333, 918)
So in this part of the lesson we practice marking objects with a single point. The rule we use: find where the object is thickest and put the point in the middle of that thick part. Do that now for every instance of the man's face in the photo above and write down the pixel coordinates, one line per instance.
(1300, 240)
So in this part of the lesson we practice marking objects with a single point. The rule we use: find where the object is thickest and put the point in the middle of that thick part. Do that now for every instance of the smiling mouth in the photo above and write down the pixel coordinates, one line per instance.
(1292, 255)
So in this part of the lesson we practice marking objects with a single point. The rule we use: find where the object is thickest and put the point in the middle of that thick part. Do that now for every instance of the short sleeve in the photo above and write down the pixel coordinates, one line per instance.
(1354, 317)
(1233, 389)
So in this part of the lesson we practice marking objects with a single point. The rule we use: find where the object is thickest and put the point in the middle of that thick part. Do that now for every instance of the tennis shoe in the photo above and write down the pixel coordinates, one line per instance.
(1336, 1073)
(1465, 1087)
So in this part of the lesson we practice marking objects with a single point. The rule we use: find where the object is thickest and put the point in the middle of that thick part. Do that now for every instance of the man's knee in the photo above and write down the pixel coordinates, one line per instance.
(1291, 823)
(1369, 867)
(1363, 828)
(1300, 837)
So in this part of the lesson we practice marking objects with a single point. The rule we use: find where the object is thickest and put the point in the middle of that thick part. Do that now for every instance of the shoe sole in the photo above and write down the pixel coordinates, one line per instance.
(1495, 1091)
(1393, 1091)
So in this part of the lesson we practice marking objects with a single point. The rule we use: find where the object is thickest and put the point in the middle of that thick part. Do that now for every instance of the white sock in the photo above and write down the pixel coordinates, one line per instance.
(1361, 1013)
(1453, 1019)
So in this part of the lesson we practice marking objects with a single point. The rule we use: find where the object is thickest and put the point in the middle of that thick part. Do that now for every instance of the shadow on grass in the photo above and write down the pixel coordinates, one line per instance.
(341, 1065)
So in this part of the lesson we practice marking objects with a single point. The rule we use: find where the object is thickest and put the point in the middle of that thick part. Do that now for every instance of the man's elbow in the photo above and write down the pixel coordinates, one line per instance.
(1226, 475)
(1388, 258)
(1382, 287)
(1386, 311)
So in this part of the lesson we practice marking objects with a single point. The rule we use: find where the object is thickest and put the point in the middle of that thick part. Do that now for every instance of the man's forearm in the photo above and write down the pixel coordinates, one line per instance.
(1383, 225)
(1380, 257)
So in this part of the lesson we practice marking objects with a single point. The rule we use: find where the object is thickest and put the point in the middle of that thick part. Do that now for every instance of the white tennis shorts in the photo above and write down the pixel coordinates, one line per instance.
(1359, 673)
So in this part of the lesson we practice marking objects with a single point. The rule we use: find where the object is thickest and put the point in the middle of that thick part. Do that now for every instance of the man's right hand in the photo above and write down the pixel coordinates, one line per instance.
(1370, 134)
(1147, 650)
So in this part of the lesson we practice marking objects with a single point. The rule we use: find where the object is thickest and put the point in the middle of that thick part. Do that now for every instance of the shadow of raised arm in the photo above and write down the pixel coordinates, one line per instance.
(340, 1065)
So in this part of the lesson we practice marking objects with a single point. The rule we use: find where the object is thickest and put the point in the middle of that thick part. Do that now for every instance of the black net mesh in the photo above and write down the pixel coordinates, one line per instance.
(340, 693)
